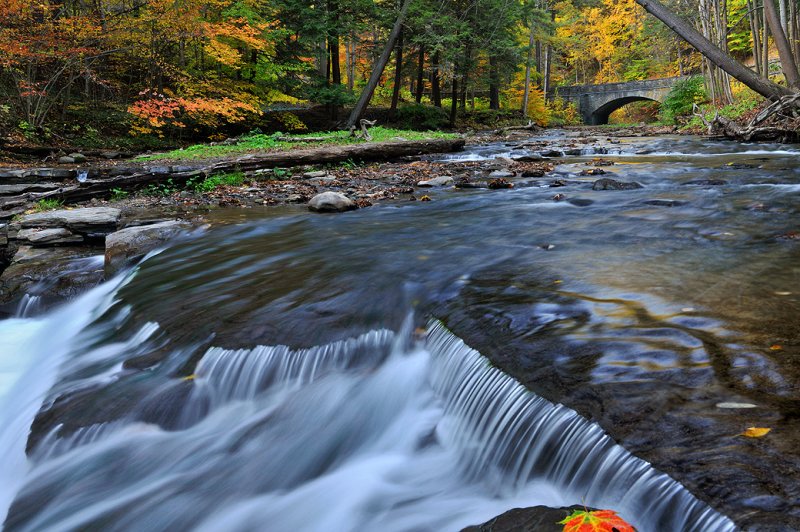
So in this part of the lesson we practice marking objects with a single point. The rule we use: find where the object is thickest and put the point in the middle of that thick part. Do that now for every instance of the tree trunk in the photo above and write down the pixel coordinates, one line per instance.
(761, 85)
(494, 84)
(380, 65)
(436, 87)
(420, 74)
(398, 75)
(454, 99)
(527, 90)
(782, 44)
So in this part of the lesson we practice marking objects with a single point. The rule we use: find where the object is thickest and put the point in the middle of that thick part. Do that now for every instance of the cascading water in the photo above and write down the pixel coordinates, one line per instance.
(168, 399)
(374, 432)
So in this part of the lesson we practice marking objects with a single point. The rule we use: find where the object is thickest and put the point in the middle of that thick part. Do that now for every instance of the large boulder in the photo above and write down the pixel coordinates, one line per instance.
(90, 220)
(331, 202)
(612, 184)
(127, 245)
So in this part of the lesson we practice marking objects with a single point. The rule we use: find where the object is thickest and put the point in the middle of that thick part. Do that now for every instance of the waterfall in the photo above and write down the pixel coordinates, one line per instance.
(371, 432)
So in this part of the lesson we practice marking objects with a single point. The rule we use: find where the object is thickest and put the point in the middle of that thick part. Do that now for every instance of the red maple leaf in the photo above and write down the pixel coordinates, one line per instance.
(597, 521)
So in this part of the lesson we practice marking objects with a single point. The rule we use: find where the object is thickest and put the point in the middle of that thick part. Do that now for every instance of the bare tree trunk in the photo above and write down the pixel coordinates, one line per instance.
(755, 30)
(420, 74)
(436, 85)
(454, 99)
(527, 91)
(398, 75)
(366, 94)
(762, 86)
(494, 84)
(782, 44)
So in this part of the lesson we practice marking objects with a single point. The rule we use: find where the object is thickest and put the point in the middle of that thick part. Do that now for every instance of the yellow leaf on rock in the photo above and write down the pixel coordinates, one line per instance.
(756, 432)
(776, 347)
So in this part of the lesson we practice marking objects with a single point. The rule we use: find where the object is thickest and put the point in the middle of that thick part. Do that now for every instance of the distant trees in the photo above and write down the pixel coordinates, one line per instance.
(200, 64)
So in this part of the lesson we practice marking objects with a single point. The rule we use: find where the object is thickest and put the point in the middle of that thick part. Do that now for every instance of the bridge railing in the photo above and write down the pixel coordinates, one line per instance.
(572, 91)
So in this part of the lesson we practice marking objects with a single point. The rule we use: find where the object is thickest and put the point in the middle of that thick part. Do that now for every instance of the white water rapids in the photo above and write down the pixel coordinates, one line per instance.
(379, 432)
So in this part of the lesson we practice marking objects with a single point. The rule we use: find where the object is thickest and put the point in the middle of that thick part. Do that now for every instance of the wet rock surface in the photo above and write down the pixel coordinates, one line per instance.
(331, 202)
(533, 519)
(125, 246)
(612, 184)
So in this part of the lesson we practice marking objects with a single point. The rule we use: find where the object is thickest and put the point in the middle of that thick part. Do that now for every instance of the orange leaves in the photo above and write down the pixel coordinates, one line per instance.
(597, 521)
(155, 111)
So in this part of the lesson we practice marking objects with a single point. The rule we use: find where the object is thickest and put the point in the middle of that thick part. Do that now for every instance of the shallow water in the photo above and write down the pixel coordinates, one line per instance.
(643, 310)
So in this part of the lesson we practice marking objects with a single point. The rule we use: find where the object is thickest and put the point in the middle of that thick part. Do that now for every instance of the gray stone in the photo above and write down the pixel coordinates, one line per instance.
(331, 202)
(66, 160)
(439, 181)
(552, 153)
(294, 198)
(78, 157)
(50, 173)
(501, 174)
(612, 184)
(13, 190)
(95, 220)
(125, 246)
(45, 237)
(111, 155)
(312, 175)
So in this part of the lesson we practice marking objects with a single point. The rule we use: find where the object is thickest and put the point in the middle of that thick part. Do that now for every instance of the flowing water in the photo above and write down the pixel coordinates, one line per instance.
(365, 371)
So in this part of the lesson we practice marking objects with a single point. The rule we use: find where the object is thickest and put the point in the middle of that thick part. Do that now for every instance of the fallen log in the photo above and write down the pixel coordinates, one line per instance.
(530, 126)
(75, 191)
(780, 117)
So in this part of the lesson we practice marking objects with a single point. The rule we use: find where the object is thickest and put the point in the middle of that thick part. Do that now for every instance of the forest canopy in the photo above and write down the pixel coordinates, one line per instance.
(195, 67)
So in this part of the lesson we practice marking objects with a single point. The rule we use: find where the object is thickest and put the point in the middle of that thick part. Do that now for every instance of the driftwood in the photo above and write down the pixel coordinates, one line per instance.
(529, 127)
(179, 176)
(365, 124)
(784, 109)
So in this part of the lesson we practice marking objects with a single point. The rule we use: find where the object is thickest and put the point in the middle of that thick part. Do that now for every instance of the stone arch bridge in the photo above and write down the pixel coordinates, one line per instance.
(596, 102)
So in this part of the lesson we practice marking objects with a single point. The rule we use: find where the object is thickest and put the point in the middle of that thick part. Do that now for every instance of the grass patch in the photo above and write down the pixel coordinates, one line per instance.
(256, 142)
(234, 179)
(47, 204)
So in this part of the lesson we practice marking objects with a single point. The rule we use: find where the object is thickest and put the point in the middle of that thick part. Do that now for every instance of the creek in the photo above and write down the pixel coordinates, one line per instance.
(427, 366)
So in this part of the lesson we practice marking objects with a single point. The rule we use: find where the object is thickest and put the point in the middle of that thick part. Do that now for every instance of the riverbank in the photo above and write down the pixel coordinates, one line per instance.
(647, 283)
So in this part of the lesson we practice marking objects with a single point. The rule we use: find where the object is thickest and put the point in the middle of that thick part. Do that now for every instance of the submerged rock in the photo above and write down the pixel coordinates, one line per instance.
(127, 245)
(612, 184)
(331, 202)
(707, 182)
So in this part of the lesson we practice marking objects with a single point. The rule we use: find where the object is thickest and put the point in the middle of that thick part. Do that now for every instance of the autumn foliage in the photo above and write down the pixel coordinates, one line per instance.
(596, 521)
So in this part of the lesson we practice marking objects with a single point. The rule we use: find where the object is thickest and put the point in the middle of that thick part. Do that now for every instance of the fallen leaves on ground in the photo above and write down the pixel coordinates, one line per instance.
(755, 432)
(597, 521)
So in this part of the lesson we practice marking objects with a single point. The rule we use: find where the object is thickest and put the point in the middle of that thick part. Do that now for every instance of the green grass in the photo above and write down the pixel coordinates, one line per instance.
(235, 179)
(260, 142)
(48, 204)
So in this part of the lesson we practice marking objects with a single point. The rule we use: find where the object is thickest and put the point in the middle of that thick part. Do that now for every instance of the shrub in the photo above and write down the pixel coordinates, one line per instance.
(680, 99)
(422, 117)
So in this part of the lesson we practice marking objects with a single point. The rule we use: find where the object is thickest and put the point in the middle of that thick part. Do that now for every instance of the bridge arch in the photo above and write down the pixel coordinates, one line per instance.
(596, 102)
(602, 113)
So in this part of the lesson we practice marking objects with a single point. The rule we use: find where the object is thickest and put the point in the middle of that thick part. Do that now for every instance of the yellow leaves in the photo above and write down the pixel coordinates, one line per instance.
(223, 53)
(775, 347)
(755, 432)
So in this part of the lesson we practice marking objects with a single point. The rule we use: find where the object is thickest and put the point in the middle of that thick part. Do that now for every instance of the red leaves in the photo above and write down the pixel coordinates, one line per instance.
(597, 521)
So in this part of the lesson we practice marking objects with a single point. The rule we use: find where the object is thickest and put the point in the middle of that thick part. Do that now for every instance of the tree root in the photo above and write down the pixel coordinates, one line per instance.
(776, 122)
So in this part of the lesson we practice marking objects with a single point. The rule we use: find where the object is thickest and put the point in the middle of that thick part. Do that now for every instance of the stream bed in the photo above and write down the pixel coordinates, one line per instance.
(430, 365)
